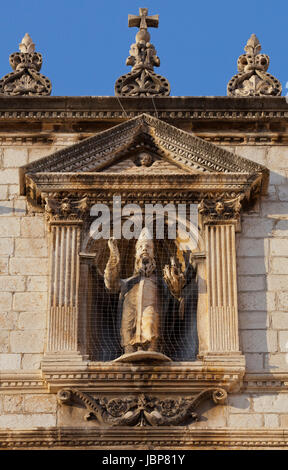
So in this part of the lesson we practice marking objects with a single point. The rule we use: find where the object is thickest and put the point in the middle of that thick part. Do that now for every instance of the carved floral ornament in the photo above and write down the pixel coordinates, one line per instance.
(25, 80)
(253, 79)
(141, 409)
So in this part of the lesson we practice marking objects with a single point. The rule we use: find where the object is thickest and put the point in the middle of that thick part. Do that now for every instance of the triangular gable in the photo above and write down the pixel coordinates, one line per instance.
(179, 147)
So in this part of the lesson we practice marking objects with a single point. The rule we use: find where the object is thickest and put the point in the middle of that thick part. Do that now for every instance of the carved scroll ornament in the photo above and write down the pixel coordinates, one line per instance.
(253, 79)
(141, 410)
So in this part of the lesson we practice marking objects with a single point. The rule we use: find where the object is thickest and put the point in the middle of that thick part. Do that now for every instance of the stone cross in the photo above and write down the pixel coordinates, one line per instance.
(143, 21)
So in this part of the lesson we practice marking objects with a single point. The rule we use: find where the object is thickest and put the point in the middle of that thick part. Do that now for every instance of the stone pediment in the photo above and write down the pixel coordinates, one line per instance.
(144, 132)
(145, 153)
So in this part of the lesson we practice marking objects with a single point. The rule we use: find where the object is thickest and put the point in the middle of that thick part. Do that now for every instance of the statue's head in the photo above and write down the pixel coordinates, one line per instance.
(144, 256)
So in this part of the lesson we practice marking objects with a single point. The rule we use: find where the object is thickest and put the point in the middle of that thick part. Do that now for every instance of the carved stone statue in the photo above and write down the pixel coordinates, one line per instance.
(141, 297)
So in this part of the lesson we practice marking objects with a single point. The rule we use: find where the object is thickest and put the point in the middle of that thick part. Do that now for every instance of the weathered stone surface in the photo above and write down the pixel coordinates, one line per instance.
(12, 283)
(13, 403)
(20, 206)
(239, 403)
(253, 301)
(281, 229)
(251, 247)
(3, 190)
(8, 320)
(271, 421)
(10, 176)
(30, 301)
(6, 246)
(4, 264)
(276, 362)
(32, 320)
(280, 320)
(10, 361)
(279, 247)
(32, 227)
(31, 361)
(279, 265)
(27, 421)
(211, 417)
(283, 421)
(40, 404)
(15, 157)
(283, 341)
(256, 154)
(28, 266)
(5, 301)
(271, 403)
(256, 227)
(27, 341)
(276, 282)
(10, 227)
(276, 210)
(283, 192)
(259, 341)
(251, 265)
(278, 177)
(35, 153)
(251, 283)
(253, 320)
(13, 190)
(36, 248)
(37, 283)
(254, 362)
(249, 420)
(277, 157)
(283, 301)
(6, 208)
(4, 341)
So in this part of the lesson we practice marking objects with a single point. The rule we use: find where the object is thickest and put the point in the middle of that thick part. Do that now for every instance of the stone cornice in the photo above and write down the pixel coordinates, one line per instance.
(75, 108)
(179, 379)
(169, 437)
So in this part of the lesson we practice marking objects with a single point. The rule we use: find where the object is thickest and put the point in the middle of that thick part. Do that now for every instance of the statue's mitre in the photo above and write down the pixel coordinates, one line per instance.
(145, 236)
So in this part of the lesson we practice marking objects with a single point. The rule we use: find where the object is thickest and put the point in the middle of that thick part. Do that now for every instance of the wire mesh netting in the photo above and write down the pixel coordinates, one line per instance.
(178, 334)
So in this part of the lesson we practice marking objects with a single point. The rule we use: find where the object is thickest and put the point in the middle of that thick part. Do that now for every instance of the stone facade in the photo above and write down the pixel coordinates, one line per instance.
(255, 414)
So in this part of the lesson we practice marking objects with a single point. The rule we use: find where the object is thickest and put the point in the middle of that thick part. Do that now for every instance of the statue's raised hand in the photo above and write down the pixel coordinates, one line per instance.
(113, 246)
(174, 279)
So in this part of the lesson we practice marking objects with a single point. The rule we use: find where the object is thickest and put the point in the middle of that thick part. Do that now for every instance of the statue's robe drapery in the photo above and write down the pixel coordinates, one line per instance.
(147, 312)
(140, 310)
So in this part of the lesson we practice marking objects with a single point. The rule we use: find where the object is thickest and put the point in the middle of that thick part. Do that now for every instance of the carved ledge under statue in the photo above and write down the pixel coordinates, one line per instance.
(253, 79)
(142, 80)
(140, 409)
(25, 80)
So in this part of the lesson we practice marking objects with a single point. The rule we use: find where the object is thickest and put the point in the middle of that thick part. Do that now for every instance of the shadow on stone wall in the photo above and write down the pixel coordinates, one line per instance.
(263, 280)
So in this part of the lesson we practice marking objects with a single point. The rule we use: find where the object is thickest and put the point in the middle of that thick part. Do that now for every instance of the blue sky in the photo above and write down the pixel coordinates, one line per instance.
(85, 43)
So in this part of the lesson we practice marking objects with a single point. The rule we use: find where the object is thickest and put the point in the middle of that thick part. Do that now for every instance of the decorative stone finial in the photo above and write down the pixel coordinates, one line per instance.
(26, 79)
(142, 80)
(26, 45)
(252, 79)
